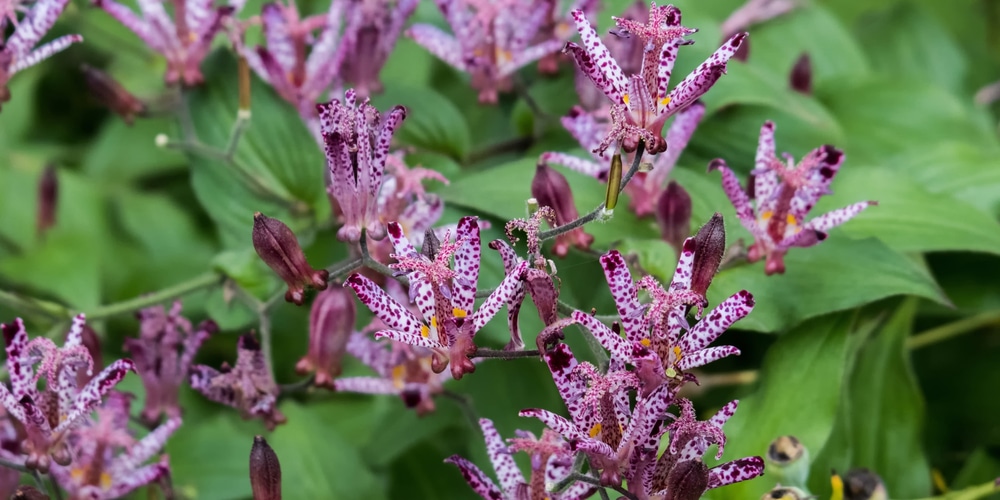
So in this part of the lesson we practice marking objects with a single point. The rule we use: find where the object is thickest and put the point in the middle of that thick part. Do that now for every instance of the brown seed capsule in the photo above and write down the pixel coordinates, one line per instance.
(710, 245)
(265, 471)
(48, 200)
(331, 322)
(111, 94)
(673, 213)
(800, 78)
(276, 244)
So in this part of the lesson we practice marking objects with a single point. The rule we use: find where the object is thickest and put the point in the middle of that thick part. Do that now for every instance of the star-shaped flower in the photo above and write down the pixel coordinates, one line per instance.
(17, 52)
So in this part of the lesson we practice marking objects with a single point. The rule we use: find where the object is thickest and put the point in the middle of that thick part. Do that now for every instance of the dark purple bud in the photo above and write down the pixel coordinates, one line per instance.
(710, 246)
(277, 246)
(543, 293)
(673, 213)
(331, 322)
(863, 484)
(112, 95)
(48, 199)
(687, 480)
(552, 190)
(28, 493)
(801, 77)
(265, 471)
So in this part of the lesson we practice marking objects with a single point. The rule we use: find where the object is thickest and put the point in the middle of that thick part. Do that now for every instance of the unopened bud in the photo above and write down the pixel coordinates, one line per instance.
(673, 213)
(859, 484)
(243, 70)
(614, 183)
(551, 189)
(265, 471)
(800, 78)
(276, 244)
(710, 245)
(48, 200)
(688, 480)
(331, 322)
(111, 94)
(788, 459)
(785, 493)
(28, 493)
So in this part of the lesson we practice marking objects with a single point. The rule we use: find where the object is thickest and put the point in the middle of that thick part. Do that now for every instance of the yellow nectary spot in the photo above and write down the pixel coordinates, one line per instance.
(791, 220)
(766, 215)
(459, 313)
(625, 99)
(424, 331)
(677, 353)
(665, 101)
(595, 430)
(105, 480)
(76, 474)
(645, 342)
(838, 487)
(397, 376)
(504, 56)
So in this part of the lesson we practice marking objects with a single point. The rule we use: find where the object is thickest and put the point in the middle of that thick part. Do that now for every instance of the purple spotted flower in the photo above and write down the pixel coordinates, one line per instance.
(183, 41)
(784, 193)
(658, 340)
(18, 51)
(640, 102)
(551, 462)
(491, 40)
(357, 141)
(49, 415)
(248, 386)
(163, 353)
(109, 460)
(445, 295)
(373, 26)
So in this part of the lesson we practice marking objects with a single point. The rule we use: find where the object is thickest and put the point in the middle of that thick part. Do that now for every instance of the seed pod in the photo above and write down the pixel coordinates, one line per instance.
(276, 244)
(673, 213)
(265, 471)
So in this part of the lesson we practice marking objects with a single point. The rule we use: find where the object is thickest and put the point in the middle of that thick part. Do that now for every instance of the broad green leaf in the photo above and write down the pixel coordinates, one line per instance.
(422, 473)
(835, 275)
(432, 121)
(209, 457)
(884, 414)
(121, 153)
(962, 169)
(801, 381)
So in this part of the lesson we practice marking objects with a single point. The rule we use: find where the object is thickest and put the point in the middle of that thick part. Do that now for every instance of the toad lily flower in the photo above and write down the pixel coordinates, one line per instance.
(184, 41)
(551, 461)
(163, 354)
(492, 40)
(646, 188)
(373, 26)
(446, 297)
(16, 52)
(357, 141)
(641, 104)
(109, 461)
(49, 415)
(784, 194)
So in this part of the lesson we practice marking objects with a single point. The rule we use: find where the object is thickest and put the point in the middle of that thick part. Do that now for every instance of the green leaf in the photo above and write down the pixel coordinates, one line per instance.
(209, 456)
(432, 121)
(121, 153)
(884, 413)
(801, 380)
(966, 171)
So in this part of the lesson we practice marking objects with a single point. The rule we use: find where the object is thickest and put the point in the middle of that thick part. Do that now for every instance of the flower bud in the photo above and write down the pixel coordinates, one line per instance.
(673, 213)
(551, 189)
(687, 480)
(111, 94)
(48, 198)
(858, 484)
(788, 459)
(614, 183)
(800, 78)
(785, 493)
(28, 493)
(275, 243)
(265, 471)
(543, 293)
(710, 245)
(331, 322)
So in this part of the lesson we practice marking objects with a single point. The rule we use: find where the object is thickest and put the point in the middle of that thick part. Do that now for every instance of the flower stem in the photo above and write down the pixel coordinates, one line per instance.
(338, 270)
(17, 302)
(194, 284)
(375, 265)
(970, 493)
(483, 352)
(595, 213)
(953, 329)
(584, 478)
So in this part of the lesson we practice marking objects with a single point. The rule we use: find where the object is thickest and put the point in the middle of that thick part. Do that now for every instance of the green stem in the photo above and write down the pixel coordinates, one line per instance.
(194, 284)
(953, 329)
(340, 269)
(18, 302)
(970, 493)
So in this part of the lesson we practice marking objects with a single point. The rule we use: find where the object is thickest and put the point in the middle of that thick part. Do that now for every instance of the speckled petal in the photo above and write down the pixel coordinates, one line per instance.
(141, 28)
(625, 294)
(529, 55)
(668, 56)
(34, 25)
(608, 338)
(507, 288)
(766, 179)
(702, 78)
(706, 356)
(141, 451)
(678, 135)
(595, 60)
(366, 385)
(45, 51)
(716, 322)
(123, 484)
(735, 471)
(685, 267)
(557, 423)
(91, 394)
(478, 481)
(589, 132)
(585, 167)
(18, 365)
(736, 195)
(439, 43)
(503, 461)
(571, 387)
(278, 36)
(724, 414)
(409, 338)
(837, 217)
(467, 265)
(393, 314)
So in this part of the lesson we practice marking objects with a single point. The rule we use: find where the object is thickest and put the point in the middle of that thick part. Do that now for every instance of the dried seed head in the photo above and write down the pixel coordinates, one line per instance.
(276, 244)
(673, 213)
(710, 245)
(265, 471)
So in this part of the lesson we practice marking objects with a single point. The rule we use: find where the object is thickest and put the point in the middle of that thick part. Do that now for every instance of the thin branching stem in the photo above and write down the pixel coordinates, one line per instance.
(953, 329)
(375, 265)
(483, 352)
(131, 305)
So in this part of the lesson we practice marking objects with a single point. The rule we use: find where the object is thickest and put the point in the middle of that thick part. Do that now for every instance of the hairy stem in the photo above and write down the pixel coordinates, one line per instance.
(953, 329)
(339, 270)
(194, 284)
(483, 352)
(375, 265)
(17, 302)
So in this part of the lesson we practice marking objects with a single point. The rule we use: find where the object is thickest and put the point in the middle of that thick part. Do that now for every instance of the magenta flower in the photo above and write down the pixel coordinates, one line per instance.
(49, 415)
(641, 104)
(373, 26)
(109, 461)
(18, 52)
(248, 386)
(357, 141)
(646, 188)
(184, 44)
(163, 354)
(492, 39)
(551, 462)
(444, 294)
(784, 194)
(283, 64)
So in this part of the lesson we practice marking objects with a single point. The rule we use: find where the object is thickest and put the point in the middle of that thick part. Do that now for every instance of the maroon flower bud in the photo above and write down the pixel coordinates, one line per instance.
(551, 189)
(800, 78)
(265, 471)
(687, 480)
(111, 94)
(331, 322)
(48, 198)
(28, 493)
(543, 293)
(673, 213)
(276, 245)
(710, 245)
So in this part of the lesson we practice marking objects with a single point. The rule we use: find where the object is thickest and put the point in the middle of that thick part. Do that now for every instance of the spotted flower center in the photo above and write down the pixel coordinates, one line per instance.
(426, 331)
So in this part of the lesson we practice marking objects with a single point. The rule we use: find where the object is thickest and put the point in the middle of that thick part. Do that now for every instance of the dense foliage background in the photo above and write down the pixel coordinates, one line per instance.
(832, 344)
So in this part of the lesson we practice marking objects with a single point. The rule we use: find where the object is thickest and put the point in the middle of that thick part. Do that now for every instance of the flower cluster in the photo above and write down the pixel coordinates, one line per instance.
(18, 52)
